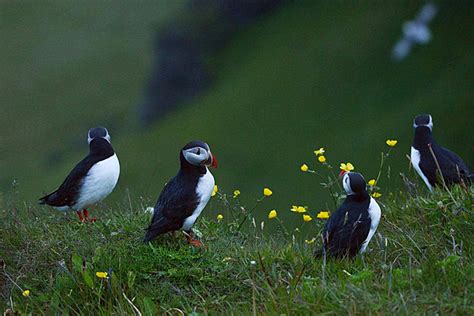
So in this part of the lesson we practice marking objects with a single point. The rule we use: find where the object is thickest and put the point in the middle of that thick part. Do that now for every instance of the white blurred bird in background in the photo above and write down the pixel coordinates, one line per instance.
(415, 32)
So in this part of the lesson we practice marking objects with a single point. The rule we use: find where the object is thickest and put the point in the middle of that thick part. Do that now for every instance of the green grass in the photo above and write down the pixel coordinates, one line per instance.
(420, 261)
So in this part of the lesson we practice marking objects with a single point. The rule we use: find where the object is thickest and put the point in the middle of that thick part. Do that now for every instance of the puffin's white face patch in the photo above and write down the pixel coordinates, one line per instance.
(106, 137)
(196, 155)
(429, 125)
(346, 183)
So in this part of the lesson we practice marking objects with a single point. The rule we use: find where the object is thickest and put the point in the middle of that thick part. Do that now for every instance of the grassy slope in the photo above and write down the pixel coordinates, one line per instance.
(310, 75)
(421, 261)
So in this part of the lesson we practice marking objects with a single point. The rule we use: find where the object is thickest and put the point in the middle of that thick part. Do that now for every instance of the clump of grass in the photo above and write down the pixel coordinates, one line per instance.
(419, 262)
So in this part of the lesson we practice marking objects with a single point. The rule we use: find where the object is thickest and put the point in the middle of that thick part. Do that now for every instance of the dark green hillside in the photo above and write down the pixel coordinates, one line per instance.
(310, 75)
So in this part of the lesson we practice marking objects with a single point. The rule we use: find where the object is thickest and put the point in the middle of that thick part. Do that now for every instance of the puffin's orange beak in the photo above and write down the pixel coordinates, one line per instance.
(342, 173)
(213, 161)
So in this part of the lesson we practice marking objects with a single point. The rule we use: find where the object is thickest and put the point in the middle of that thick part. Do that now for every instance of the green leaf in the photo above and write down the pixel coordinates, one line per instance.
(363, 275)
(131, 279)
(88, 279)
(54, 305)
(149, 307)
(77, 262)
(448, 261)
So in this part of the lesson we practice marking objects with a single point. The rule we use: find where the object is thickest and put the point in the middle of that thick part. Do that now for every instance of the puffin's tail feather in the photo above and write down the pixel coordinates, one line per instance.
(156, 228)
(149, 236)
(45, 199)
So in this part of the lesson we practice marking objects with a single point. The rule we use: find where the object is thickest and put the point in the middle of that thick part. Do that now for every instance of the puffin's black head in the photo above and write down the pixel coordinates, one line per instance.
(98, 132)
(423, 120)
(354, 183)
(198, 153)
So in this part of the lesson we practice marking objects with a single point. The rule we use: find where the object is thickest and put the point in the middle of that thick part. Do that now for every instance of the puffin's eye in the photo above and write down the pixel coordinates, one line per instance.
(198, 152)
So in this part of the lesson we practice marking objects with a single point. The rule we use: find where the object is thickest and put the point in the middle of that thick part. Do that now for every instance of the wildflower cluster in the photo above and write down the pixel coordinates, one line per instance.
(330, 179)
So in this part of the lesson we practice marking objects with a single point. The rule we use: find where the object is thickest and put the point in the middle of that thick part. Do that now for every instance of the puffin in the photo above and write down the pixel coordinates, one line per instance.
(186, 195)
(447, 165)
(91, 180)
(349, 230)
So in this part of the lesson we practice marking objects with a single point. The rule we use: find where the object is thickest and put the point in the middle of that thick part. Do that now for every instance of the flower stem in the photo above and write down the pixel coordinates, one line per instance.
(249, 212)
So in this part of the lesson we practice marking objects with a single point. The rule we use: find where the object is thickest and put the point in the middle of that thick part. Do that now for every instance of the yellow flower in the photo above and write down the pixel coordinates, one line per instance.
(236, 193)
(376, 195)
(323, 215)
(347, 167)
(267, 192)
(220, 217)
(371, 182)
(319, 152)
(309, 242)
(391, 142)
(102, 275)
(322, 159)
(298, 209)
(26, 293)
(307, 218)
(214, 191)
(272, 214)
(304, 167)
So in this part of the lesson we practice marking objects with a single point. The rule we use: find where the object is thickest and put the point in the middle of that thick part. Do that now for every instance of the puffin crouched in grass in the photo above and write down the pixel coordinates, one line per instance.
(185, 196)
(91, 180)
(349, 230)
(447, 166)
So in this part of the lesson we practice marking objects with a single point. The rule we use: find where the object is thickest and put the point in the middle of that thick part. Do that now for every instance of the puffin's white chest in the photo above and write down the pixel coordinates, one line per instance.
(374, 214)
(99, 182)
(204, 190)
(415, 158)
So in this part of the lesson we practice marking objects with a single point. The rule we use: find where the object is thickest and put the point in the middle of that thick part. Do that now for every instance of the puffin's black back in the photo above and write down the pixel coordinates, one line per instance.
(66, 194)
(452, 166)
(349, 226)
(178, 200)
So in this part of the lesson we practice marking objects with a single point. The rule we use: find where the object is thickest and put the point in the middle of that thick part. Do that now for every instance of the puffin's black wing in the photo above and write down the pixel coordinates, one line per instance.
(177, 201)
(67, 192)
(458, 166)
(346, 230)
(453, 167)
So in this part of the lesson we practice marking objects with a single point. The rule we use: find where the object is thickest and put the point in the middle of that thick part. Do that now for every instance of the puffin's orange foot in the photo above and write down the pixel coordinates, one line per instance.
(196, 243)
(86, 218)
(81, 218)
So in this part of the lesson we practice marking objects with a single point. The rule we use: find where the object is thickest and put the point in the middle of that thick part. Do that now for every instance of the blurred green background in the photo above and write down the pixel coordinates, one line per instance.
(310, 74)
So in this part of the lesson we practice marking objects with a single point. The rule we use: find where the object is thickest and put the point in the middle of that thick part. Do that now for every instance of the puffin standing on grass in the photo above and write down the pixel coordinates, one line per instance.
(447, 164)
(185, 196)
(349, 230)
(91, 180)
